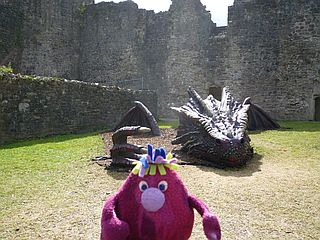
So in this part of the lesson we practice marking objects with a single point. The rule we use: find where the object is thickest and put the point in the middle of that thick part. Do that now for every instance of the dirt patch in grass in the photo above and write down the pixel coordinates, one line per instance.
(275, 196)
(164, 140)
(167, 134)
(265, 199)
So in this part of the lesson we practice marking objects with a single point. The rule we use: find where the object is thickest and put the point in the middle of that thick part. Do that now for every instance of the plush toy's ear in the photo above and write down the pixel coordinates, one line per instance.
(144, 162)
(150, 147)
(163, 153)
(157, 153)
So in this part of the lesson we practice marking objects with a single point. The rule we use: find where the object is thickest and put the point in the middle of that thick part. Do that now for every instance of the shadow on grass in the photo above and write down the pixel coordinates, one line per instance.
(48, 139)
(252, 166)
(118, 174)
(121, 172)
(116, 171)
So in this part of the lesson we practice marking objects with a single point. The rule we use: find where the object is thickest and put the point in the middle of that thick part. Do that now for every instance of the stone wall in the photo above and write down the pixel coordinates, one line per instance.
(124, 45)
(168, 50)
(273, 55)
(112, 42)
(188, 62)
(11, 37)
(269, 50)
(51, 41)
(41, 106)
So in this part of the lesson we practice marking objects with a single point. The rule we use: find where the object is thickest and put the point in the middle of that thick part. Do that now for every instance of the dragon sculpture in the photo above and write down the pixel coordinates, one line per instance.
(123, 152)
(138, 121)
(214, 131)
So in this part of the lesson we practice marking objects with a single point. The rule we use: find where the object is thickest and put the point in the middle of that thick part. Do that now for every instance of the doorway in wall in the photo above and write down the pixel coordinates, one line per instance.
(317, 108)
(216, 92)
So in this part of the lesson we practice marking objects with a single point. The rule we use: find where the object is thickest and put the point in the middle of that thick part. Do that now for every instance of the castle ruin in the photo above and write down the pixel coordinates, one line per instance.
(269, 51)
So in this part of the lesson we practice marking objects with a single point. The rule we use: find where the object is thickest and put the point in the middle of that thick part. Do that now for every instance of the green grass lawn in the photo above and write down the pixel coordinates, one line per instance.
(49, 188)
(168, 124)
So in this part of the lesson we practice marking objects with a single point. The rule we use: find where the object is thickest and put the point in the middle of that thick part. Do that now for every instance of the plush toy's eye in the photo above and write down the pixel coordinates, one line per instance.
(143, 185)
(163, 186)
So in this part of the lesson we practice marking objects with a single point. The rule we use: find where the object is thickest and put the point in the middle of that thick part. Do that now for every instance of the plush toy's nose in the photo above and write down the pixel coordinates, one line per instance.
(152, 199)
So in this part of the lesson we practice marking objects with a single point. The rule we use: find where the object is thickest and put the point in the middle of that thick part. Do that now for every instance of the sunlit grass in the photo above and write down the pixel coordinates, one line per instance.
(42, 171)
(295, 143)
(168, 123)
(49, 189)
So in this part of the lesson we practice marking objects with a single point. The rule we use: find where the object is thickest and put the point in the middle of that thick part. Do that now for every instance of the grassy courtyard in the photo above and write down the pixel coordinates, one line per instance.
(49, 188)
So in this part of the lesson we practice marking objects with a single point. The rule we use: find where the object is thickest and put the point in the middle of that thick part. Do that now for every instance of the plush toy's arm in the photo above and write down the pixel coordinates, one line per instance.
(112, 228)
(210, 222)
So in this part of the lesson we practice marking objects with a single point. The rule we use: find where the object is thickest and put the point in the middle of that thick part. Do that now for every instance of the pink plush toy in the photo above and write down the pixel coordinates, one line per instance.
(154, 204)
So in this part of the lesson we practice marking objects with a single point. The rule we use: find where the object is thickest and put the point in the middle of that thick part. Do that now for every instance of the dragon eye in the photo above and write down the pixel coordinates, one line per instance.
(163, 186)
(143, 185)
(242, 140)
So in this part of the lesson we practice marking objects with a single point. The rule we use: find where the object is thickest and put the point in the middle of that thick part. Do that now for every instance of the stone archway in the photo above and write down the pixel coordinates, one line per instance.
(317, 108)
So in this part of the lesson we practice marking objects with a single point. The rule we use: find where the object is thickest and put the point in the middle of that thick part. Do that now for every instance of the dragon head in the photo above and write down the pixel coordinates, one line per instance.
(215, 130)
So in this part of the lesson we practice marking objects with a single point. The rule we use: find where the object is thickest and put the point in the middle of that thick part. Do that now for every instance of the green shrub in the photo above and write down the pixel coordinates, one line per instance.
(6, 69)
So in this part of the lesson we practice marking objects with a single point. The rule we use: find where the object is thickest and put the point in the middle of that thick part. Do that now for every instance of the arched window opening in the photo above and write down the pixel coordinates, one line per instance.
(216, 92)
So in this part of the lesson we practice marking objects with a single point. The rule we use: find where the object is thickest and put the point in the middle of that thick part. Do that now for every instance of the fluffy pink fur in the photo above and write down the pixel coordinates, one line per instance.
(124, 217)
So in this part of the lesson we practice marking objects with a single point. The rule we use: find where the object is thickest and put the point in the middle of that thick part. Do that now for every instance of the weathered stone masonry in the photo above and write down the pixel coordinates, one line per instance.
(269, 50)
(274, 55)
(169, 50)
(41, 106)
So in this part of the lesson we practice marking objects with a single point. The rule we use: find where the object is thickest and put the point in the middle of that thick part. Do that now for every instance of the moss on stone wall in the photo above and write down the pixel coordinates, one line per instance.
(6, 69)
